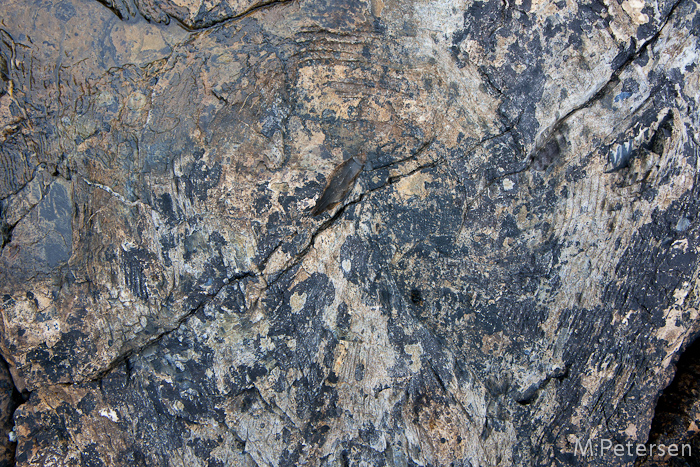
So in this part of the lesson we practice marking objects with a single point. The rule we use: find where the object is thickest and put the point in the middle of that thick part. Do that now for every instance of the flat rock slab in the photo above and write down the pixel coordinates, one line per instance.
(346, 233)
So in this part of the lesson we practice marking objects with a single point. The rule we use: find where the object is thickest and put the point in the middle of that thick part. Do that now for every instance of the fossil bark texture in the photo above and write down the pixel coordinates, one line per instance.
(508, 265)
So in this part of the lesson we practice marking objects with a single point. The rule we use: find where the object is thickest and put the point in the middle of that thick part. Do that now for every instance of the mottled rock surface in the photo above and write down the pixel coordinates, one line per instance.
(345, 233)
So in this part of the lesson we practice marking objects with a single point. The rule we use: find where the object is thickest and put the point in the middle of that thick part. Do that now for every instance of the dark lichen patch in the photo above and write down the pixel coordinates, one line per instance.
(509, 229)
(316, 400)
(174, 375)
(60, 361)
(91, 456)
(656, 262)
(575, 173)
(200, 178)
(168, 209)
(202, 447)
(355, 258)
(167, 243)
(343, 318)
(134, 262)
(232, 299)
(298, 316)
(506, 158)
(263, 200)
(133, 456)
(87, 404)
(480, 20)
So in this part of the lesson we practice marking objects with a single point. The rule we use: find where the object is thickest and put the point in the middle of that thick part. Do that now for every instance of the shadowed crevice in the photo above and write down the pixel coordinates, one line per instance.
(677, 412)
(10, 399)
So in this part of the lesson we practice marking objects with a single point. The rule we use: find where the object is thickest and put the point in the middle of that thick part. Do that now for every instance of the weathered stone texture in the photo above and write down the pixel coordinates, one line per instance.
(345, 233)
(8, 403)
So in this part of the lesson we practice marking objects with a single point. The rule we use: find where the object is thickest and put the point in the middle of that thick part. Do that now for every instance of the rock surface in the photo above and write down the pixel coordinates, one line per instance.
(508, 263)
(677, 416)
(8, 404)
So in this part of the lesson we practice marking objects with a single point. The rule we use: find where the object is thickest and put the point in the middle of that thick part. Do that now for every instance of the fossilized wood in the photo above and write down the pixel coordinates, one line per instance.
(511, 267)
